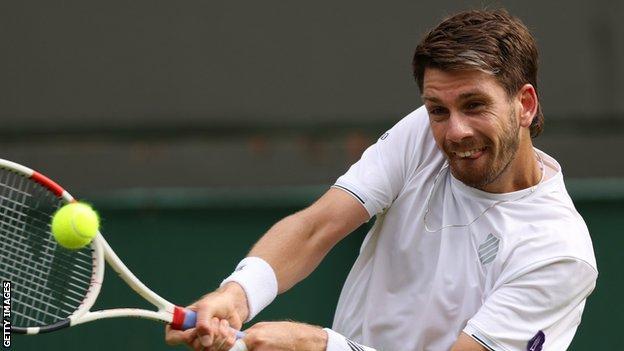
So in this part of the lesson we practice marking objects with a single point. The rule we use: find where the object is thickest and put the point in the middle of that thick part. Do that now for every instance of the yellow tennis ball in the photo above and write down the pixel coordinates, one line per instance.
(75, 225)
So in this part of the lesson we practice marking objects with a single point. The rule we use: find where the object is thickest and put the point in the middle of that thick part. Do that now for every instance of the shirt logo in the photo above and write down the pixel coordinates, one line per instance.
(354, 346)
(489, 249)
(536, 343)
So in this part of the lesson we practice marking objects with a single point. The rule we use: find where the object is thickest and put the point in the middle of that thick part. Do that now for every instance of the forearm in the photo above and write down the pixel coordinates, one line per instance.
(285, 336)
(294, 247)
(298, 336)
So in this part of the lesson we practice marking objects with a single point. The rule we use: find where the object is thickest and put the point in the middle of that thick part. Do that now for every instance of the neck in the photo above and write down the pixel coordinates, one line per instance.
(523, 171)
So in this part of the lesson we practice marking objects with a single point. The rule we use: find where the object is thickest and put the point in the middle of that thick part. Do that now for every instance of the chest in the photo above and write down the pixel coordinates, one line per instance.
(443, 241)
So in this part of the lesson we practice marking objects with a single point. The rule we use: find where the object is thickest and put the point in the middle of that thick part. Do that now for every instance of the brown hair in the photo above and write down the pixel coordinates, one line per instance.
(493, 42)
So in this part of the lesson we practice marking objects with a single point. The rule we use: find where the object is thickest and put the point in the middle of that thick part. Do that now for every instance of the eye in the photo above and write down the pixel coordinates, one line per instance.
(474, 105)
(436, 111)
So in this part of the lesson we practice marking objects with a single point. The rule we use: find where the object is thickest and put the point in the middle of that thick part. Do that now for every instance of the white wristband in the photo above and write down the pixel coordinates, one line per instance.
(258, 280)
(337, 342)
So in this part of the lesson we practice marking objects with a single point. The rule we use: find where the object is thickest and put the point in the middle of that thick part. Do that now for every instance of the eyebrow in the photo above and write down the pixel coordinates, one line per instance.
(430, 98)
(463, 96)
(472, 94)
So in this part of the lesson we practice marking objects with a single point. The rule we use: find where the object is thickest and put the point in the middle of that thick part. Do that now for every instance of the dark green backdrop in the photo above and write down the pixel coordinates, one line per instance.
(181, 244)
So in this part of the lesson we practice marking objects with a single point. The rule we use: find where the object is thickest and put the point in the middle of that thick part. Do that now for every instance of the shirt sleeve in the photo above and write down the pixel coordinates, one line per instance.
(378, 177)
(538, 309)
(337, 342)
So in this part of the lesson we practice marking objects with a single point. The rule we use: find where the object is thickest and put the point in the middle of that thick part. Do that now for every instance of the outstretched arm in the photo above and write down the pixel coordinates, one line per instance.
(283, 336)
(293, 247)
(286, 336)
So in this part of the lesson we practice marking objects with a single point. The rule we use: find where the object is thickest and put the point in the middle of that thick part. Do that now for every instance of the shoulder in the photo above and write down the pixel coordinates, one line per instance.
(415, 123)
(411, 139)
(543, 229)
(561, 237)
(553, 232)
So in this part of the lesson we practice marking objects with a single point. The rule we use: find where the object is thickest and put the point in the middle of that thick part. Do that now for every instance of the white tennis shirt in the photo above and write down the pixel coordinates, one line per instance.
(515, 279)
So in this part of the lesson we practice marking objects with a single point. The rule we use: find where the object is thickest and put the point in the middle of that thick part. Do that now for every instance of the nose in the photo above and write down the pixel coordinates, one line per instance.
(458, 128)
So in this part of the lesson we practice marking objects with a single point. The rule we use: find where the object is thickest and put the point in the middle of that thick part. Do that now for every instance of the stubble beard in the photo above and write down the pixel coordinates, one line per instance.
(498, 162)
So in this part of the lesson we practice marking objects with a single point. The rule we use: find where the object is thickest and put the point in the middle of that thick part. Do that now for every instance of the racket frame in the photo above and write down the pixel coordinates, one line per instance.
(178, 317)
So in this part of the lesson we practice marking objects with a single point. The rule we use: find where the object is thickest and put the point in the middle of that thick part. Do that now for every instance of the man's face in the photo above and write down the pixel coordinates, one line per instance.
(473, 121)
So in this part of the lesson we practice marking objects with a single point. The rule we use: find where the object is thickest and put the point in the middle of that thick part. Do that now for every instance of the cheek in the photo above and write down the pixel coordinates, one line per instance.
(489, 129)
(438, 132)
(502, 130)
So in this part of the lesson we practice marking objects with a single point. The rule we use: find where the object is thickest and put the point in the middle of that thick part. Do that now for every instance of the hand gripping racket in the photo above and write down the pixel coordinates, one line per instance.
(53, 287)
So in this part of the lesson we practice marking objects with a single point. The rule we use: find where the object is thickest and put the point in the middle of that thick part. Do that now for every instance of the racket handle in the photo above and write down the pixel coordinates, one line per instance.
(184, 319)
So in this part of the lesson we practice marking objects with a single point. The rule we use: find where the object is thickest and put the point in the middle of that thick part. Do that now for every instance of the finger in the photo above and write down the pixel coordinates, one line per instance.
(220, 336)
(228, 336)
(218, 345)
(205, 328)
(211, 339)
(172, 337)
(219, 339)
(176, 337)
(196, 345)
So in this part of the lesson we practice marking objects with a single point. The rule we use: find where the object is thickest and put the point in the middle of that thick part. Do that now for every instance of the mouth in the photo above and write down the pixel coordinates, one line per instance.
(469, 154)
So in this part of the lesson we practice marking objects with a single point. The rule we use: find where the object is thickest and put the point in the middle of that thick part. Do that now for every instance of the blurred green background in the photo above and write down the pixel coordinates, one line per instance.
(183, 245)
(182, 250)
(194, 125)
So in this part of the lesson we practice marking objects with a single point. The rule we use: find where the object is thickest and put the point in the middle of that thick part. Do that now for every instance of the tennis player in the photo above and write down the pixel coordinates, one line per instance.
(476, 244)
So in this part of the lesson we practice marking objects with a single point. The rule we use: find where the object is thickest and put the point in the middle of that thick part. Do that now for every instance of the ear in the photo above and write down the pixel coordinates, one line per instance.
(527, 97)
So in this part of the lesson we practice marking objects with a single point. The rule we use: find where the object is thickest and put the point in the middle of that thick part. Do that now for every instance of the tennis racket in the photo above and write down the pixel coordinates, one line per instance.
(53, 287)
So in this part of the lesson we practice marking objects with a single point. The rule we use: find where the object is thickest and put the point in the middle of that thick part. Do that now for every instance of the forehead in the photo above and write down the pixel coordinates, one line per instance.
(453, 85)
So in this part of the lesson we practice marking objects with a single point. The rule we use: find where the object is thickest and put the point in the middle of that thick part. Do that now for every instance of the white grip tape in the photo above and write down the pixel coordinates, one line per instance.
(258, 280)
(239, 345)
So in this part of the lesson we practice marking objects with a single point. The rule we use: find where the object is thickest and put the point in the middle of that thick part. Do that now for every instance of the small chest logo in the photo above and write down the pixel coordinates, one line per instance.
(488, 249)
(536, 343)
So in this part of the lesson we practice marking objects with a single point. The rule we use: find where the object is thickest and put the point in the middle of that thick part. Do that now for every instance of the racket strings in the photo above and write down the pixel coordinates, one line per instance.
(61, 255)
(34, 276)
(14, 221)
(49, 282)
